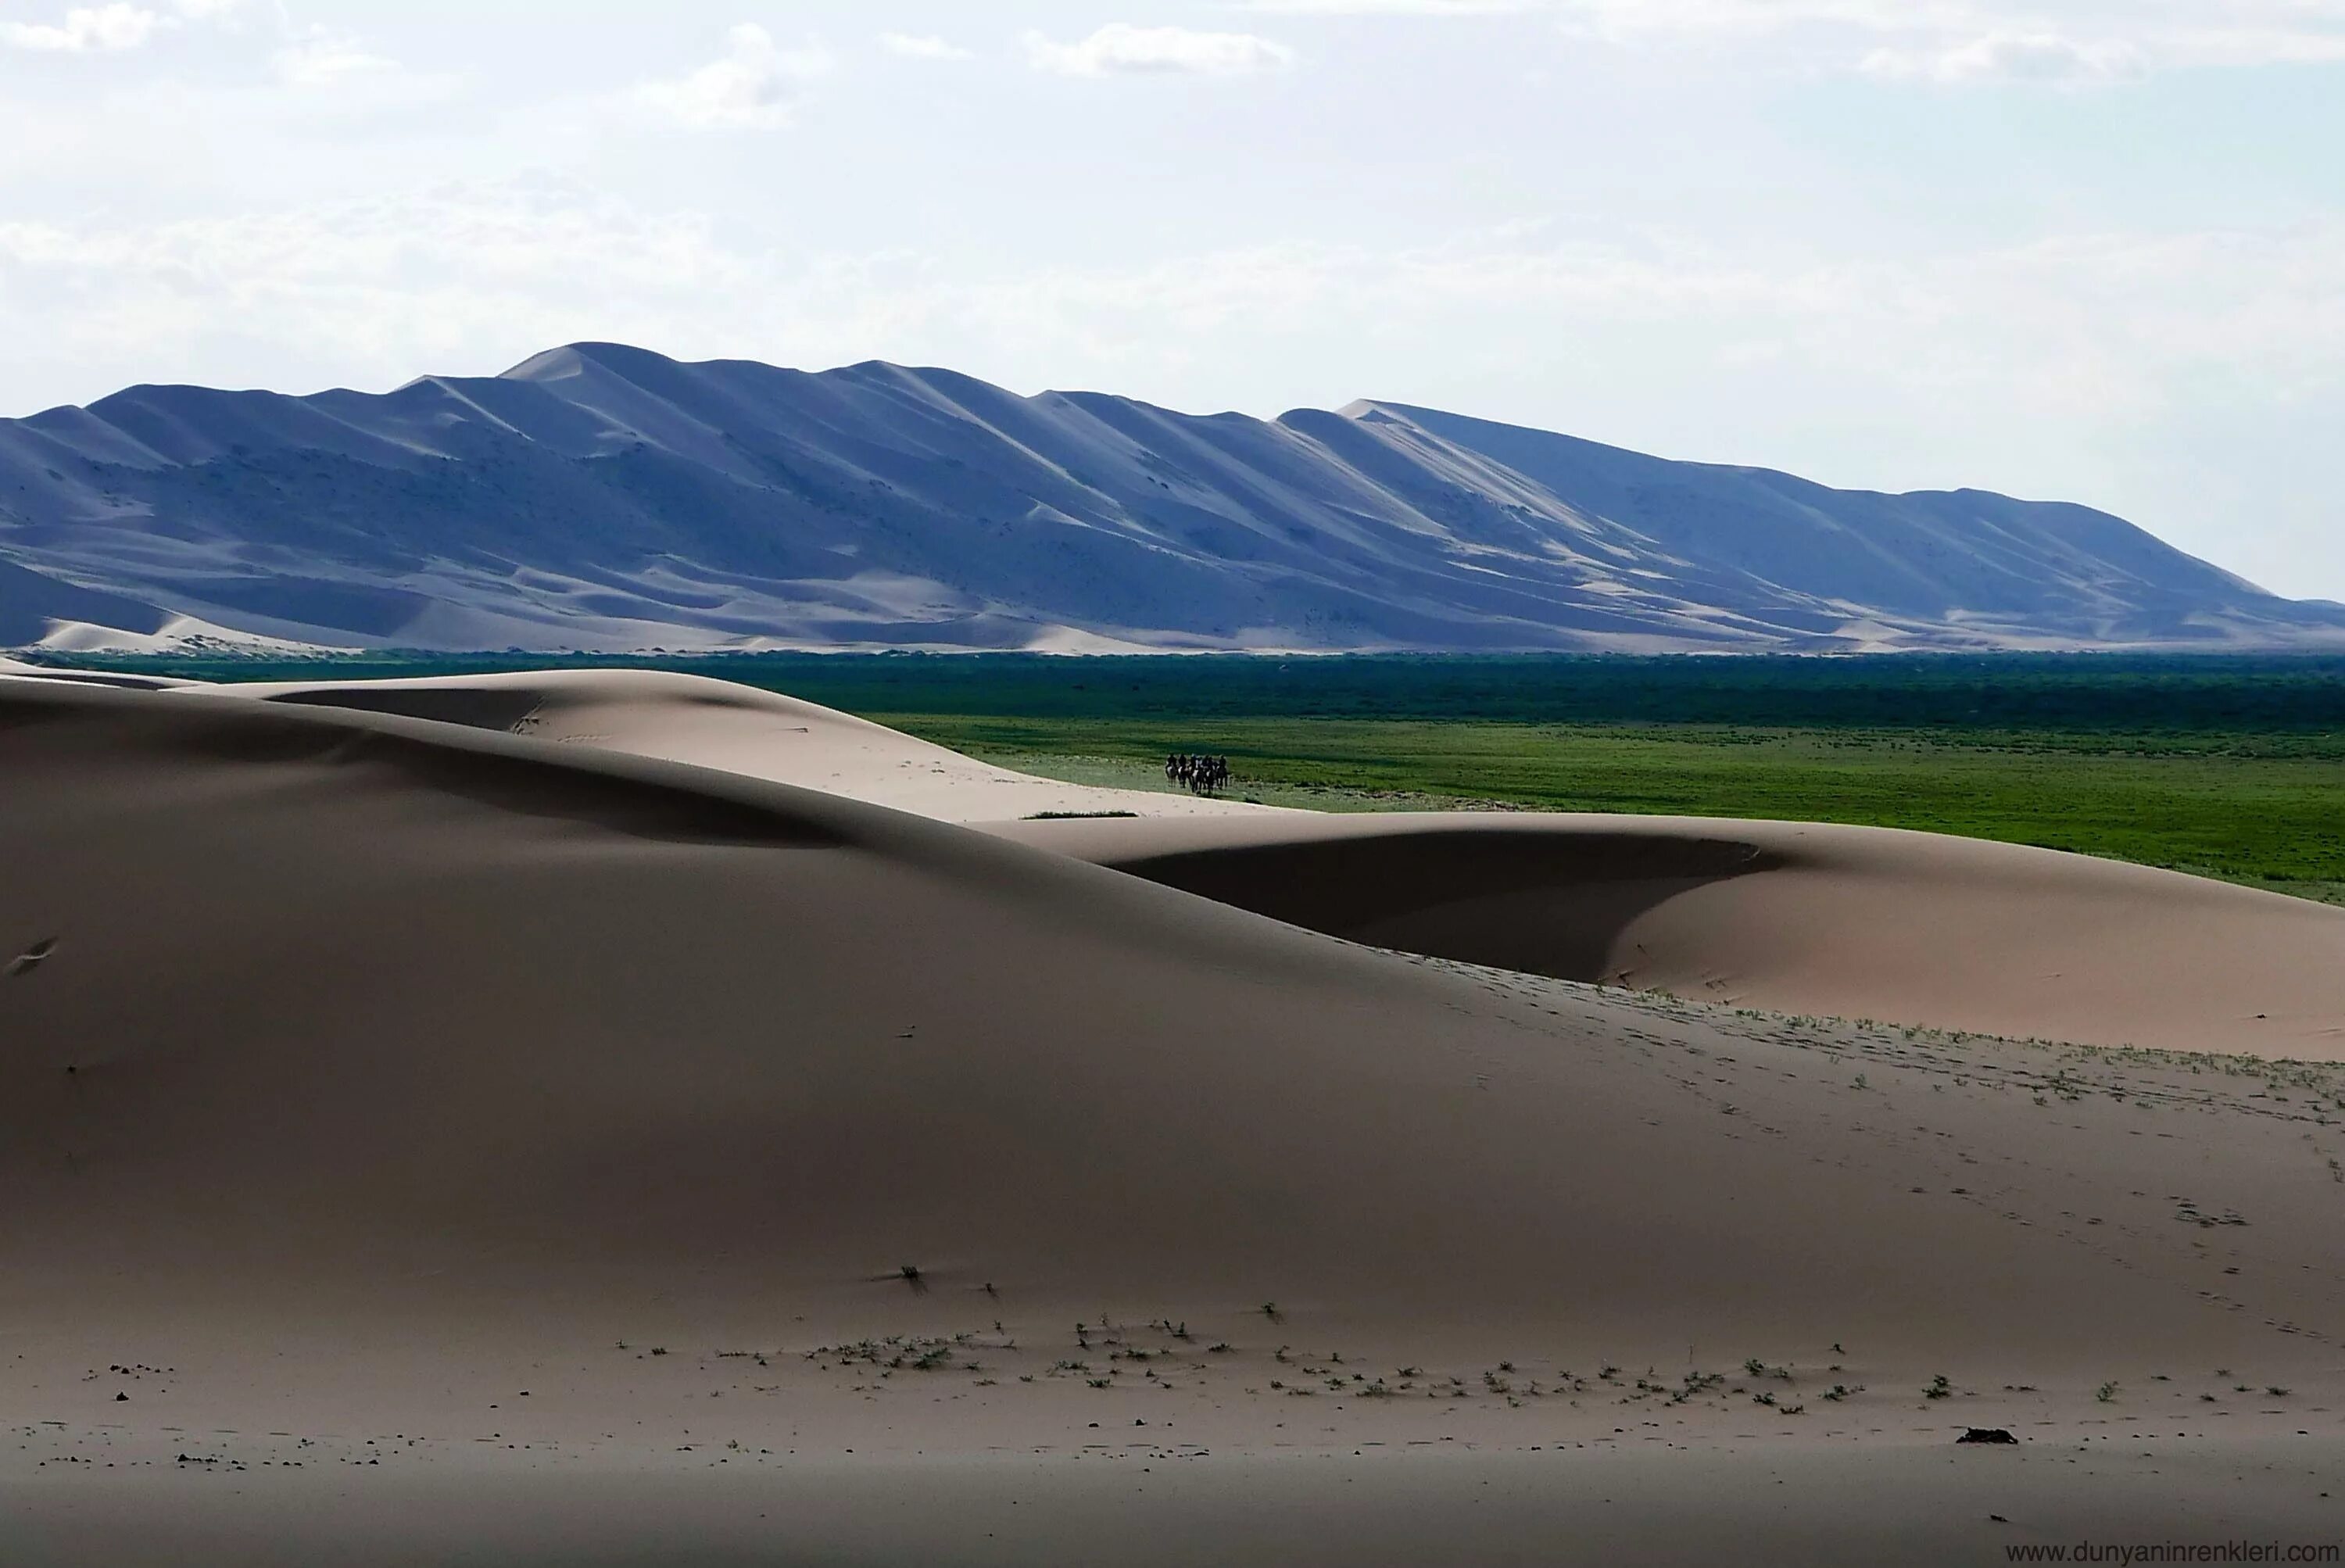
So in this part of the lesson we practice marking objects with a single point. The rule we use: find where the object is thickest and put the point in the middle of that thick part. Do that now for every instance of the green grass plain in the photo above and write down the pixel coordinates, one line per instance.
(2226, 765)
(2264, 810)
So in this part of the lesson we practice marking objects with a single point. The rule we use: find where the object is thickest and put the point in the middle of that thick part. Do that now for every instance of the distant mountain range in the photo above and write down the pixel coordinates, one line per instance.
(600, 498)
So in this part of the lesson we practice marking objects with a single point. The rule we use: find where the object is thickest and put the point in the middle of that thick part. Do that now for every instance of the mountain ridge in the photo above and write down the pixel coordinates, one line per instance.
(600, 497)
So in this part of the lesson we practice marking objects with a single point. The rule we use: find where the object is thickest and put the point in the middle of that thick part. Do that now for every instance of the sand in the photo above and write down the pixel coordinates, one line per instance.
(740, 729)
(460, 1142)
(1792, 917)
(1802, 918)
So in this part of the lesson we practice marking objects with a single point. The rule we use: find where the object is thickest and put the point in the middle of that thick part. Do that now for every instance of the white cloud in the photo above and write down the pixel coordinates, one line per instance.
(378, 287)
(85, 27)
(923, 46)
(2088, 327)
(753, 87)
(1398, 7)
(1957, 41)
(1121, 49)
(323, 59)
(2012, 56)
(1627, 19)
(116, 25)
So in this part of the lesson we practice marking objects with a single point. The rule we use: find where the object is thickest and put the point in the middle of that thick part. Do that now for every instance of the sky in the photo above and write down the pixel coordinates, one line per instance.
(2074, 249)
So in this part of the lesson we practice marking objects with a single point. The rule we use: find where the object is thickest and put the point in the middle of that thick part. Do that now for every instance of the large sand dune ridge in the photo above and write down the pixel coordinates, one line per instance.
(605, 497)
(1794, 917)
(384, 1091)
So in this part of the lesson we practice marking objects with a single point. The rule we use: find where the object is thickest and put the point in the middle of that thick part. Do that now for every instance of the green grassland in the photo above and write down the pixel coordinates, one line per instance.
(2258, 810)
(2227, 765)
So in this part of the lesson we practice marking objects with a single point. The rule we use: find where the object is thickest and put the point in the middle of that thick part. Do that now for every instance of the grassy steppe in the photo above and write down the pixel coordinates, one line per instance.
(2230, 766)
(2267, 810)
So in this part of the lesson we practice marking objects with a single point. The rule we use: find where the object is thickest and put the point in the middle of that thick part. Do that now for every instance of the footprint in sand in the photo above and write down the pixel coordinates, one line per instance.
(30, 959)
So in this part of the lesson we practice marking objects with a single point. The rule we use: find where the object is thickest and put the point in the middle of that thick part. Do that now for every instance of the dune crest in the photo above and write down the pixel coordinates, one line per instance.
(1918, 929)
(739, 730)
(1915, 929)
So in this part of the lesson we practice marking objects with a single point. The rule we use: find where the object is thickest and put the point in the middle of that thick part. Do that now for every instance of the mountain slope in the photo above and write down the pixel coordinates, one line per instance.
(598, 496)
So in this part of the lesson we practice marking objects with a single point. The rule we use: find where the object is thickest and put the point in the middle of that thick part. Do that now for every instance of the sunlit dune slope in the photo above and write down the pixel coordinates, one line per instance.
(1794, 917)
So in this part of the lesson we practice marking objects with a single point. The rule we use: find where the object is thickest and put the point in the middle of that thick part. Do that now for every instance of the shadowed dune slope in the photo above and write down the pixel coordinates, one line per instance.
(399, 1013)
(1857, 922)
(1804, 918)
(562, 1136)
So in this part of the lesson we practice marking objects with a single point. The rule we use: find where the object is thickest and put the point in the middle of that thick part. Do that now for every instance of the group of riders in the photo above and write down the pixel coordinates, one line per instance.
(1202, 775)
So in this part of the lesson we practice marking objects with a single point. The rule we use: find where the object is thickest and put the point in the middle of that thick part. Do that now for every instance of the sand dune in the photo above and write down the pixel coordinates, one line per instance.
(415, 1124)
(603, 496)
(757, 734)
(16, 669)
(1793, 917)
(1802, 918)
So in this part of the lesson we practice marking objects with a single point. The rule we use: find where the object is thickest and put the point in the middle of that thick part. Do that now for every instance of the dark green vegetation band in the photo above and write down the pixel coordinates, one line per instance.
(2096, 692)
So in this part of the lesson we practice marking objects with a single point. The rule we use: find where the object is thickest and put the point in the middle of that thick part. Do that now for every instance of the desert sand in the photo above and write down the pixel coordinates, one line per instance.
(740, 729)
(424, 1141)
(1790, 917)
(1802, 918)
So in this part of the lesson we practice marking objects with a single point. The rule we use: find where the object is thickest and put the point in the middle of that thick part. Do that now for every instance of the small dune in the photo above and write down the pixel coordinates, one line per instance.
(1804, 918)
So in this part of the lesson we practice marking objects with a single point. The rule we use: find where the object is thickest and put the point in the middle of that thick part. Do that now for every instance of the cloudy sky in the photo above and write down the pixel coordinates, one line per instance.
(2089, 249)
